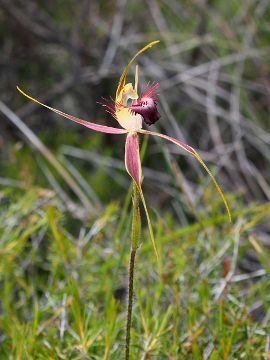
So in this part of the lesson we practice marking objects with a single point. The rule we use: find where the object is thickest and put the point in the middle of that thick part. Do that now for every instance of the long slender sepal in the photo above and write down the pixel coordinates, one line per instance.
(194, 153)
(132, 158)
(199, 159)
(133, 166)
(88, 124)
(122, 80)
(169, 138)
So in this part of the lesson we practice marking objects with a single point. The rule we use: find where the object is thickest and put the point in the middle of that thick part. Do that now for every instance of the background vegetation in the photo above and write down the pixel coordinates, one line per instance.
(64, 196)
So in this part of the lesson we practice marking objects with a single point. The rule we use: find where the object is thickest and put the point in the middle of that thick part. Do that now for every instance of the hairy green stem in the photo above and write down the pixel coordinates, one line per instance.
(135, 235)
(130, 299)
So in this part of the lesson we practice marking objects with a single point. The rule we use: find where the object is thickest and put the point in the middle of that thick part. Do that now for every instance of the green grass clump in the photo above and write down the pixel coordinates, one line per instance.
(63, 285)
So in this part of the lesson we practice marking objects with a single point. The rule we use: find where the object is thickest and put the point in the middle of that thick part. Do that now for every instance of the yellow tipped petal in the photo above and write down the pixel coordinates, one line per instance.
(31, 98)
(190, 150)
(199, 159)
(88, 124)
(122, 80)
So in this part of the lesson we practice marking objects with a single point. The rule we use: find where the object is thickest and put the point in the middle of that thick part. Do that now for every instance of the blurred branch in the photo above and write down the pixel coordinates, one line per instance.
(115, 37)
(31, 17)
(37, 144)
(203, 69)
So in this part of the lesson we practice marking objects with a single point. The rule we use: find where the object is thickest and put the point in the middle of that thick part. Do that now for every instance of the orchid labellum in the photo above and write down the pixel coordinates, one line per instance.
(130, 110)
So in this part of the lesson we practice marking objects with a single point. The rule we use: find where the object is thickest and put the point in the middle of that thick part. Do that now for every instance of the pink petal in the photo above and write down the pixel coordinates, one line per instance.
(199, 159)
(177, 142)
(132, 158)
(90, 125)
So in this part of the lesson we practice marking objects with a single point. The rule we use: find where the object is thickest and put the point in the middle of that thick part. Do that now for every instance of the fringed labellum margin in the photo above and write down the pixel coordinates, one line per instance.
(146, 105)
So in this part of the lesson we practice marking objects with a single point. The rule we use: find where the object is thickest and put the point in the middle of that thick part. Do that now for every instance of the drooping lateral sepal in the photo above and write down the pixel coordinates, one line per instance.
(133, 166)
(194, 153)
(132, 158)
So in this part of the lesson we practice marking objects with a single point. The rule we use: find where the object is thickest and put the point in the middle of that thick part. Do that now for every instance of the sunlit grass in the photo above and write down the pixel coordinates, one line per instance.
(63, 291)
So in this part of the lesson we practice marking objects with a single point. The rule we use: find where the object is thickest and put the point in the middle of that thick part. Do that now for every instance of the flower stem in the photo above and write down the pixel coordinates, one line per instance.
(130, 299)
(135, 235)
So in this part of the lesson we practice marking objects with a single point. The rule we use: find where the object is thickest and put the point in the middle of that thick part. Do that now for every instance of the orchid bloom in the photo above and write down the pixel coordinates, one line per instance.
(130, 110)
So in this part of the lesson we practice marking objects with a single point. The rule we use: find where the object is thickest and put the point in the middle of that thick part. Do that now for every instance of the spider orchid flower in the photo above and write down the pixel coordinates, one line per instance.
(130, 110)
